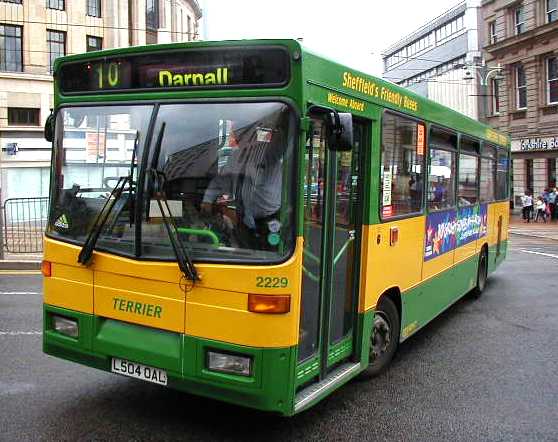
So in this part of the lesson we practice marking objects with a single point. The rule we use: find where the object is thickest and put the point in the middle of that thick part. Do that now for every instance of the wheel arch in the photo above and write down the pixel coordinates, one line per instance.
(394, 293)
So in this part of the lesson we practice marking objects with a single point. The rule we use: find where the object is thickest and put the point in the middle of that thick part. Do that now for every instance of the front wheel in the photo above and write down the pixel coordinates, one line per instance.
(482, 274)
(385, 337)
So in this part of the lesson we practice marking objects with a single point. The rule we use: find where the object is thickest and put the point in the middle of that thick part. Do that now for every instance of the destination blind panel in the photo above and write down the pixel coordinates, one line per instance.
(187, 69)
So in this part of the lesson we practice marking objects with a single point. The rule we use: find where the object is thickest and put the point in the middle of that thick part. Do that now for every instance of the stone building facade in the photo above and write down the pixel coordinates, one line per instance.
(34, 33)
(522, 37)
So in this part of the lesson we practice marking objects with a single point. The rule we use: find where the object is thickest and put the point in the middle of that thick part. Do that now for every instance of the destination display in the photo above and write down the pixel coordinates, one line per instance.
(184, 69)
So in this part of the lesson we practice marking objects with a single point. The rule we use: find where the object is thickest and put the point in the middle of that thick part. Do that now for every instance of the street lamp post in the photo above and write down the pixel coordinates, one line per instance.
(484, 74)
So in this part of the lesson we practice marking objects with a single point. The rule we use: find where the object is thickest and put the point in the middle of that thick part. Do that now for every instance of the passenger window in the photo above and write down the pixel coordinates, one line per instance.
(502, 174)
(468, 172)
(402, 180)
(441, 170)
(468, 169)
(487, 175)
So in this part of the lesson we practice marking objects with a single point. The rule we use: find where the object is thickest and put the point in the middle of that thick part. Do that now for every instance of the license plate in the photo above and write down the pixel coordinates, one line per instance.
(139, 371)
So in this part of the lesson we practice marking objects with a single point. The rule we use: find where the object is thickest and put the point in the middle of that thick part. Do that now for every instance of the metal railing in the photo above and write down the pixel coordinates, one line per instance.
(25, 220)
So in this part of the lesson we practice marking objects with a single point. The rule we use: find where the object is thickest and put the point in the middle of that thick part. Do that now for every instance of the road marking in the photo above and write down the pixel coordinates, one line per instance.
(20, 333)
(15, 388)
(20, 293)
(20, 272)
(550, 255)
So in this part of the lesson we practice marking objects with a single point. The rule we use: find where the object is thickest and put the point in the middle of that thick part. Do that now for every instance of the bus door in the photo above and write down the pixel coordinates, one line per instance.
(332, 225)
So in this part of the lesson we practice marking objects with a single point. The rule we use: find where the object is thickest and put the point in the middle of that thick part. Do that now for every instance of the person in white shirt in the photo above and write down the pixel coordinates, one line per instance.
(540, 209)
(527, 203)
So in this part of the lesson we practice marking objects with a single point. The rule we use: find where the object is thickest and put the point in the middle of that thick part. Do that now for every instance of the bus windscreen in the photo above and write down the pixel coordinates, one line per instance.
(178, 69)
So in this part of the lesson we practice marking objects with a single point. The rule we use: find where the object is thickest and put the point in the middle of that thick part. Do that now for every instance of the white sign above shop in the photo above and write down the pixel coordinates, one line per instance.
(534, 144)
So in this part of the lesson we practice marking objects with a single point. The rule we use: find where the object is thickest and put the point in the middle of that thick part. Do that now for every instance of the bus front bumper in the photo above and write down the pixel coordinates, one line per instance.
(184, 359)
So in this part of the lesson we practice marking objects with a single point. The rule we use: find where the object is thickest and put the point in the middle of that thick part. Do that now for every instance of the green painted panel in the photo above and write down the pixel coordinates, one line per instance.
(149, 346)
(424, 302)
(271, 386)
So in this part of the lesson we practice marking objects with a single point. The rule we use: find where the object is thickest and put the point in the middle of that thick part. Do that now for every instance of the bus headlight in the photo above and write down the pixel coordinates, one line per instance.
(65, 326)
(227, 363)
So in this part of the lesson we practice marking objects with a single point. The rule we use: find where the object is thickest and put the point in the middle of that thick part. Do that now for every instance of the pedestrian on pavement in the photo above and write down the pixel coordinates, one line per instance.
(527, 203)
(552, 203)
(544, 195)
(540, 209)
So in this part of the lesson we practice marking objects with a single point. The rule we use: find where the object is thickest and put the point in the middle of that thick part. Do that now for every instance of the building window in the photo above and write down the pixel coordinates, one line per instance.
(190, 35)
(56, 41)
(495, 97)
(152, 15)
(55, 4)
(552, 80)
(520, 88)
(11, 54)
(551, 10)
(94, 8)
(519, 20)
(450, 28)
(492, 36)
(94, 43)
(21, 116)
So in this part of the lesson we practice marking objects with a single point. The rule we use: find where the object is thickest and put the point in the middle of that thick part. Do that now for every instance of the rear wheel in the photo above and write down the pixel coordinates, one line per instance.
(482, 274)
(385, 337)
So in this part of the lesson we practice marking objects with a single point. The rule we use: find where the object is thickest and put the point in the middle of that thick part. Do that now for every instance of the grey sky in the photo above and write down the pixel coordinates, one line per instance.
(353, 32)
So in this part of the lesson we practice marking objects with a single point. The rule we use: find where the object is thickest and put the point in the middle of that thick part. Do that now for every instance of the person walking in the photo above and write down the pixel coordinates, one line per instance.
(527, 209)
(540, 209)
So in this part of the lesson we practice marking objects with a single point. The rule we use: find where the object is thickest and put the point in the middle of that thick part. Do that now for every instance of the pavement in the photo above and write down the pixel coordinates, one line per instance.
(548, 230)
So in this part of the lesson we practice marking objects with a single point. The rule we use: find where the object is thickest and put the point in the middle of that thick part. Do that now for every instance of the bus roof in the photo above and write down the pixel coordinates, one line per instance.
(331, 75)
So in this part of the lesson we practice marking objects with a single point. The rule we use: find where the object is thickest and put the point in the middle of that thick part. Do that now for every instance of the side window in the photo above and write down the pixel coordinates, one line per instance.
(487, 175)
(403, 143)
(467, 189)
(502, 169)
(441, 169)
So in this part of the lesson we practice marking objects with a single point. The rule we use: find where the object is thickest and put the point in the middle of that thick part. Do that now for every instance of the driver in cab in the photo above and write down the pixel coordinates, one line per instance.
(251, 182)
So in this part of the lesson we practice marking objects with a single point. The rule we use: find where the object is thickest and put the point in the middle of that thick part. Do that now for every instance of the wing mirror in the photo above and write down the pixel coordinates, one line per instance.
(339, 127)
(340, 131)
(49, 127)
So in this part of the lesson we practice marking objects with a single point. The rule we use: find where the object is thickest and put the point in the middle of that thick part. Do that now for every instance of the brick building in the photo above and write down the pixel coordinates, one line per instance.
(522, 36)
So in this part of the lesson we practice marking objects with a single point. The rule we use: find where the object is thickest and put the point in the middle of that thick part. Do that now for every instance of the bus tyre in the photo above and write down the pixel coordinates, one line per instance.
(385, 337)
(482, 274)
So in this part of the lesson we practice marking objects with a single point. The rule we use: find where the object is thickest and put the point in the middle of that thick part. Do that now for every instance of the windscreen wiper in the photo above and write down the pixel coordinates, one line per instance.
(132, 199)
(153, 167)
(86, 252)
(184, 262)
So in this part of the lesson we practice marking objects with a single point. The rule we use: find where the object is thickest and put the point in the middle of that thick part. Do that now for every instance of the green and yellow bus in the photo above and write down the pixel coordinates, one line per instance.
(251, 222)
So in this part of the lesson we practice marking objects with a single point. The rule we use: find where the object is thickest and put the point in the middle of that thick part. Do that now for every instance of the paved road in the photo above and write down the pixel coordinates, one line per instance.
(484, 370)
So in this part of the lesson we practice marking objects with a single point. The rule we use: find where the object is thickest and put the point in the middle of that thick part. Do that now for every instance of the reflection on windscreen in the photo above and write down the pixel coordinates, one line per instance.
(95, 149)
(228, 177)
(226, 180)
